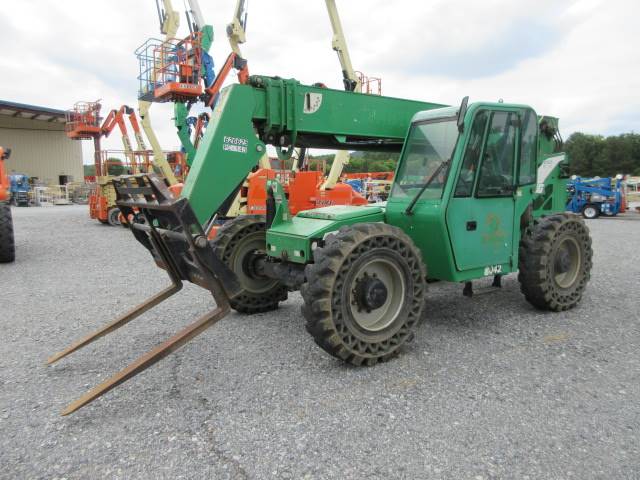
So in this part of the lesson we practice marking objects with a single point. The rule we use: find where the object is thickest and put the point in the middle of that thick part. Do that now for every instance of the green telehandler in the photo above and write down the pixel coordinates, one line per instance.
(479, 191)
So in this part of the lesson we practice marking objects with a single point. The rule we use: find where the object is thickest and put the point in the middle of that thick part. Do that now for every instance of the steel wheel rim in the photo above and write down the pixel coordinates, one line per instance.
(570, 246)
(248, 245)
(114, 217)
(391, 276)
(590, 212)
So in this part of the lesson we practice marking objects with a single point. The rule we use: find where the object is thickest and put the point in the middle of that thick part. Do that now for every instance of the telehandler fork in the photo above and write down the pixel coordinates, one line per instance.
(203, 268)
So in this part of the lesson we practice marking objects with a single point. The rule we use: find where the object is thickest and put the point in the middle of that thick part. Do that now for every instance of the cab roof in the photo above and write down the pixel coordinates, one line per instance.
(435, 113)
(445, 112)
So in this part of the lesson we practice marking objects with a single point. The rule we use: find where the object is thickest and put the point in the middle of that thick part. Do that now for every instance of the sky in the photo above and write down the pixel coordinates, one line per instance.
(574, 59)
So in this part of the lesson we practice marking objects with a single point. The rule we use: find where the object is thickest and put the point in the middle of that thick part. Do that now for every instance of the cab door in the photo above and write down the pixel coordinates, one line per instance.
(480, 212)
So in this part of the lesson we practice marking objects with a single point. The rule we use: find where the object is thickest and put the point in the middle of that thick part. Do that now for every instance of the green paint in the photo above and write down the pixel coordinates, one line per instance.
(340, 212)
(294, 240)
(438, 224)
(276, 108)
(226, 155)
(315, 116)
(181, 113)
(465, 229)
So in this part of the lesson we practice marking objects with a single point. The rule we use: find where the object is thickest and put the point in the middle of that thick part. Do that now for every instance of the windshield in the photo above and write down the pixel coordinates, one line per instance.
(429, 146)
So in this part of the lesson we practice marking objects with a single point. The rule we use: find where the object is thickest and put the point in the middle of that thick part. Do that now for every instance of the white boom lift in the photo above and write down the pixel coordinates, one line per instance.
(351, 82)
(169, 24)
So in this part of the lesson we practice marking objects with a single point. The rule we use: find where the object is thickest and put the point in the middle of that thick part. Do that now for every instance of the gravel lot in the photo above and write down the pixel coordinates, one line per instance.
(490, 388)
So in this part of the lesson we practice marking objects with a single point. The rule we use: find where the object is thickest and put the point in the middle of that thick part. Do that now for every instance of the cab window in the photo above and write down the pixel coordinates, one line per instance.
(496, 169)
(472, 154)
(528, 148)
(425, 159)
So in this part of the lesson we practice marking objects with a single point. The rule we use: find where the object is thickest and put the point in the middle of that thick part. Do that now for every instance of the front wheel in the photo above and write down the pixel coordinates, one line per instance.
(364, 293)
(555, 262)
(239, 243)
(590, 211)
(113, 216)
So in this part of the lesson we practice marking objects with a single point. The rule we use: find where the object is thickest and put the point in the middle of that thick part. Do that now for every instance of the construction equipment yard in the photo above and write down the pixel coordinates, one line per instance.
(490, 387)
(389, 266)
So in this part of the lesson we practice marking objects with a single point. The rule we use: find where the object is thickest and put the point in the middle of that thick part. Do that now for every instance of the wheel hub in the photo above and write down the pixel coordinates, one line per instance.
(370, 293)
(563, 261)
(244, 262)
(376, 294)
(250, 264)
(566, 264)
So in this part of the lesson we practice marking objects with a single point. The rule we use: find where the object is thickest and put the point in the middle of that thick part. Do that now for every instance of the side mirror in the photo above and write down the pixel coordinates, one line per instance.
(461, 113)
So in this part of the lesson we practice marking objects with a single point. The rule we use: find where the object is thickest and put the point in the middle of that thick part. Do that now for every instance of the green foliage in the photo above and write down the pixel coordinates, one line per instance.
(363, 162)
(89, 170)
(114, 167)
(595, 155)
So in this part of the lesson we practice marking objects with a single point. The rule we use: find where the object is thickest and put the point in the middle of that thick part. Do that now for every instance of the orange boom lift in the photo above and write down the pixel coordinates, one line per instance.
(83, 123)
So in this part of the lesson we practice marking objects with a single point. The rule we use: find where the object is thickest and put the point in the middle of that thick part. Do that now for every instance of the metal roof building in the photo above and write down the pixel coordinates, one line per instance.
(39, 146)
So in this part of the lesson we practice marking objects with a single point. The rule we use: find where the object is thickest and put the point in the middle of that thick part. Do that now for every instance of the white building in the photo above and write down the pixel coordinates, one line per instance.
(39, 146)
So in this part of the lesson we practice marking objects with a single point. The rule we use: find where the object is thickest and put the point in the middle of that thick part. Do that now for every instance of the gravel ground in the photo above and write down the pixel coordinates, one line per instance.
(490, 388)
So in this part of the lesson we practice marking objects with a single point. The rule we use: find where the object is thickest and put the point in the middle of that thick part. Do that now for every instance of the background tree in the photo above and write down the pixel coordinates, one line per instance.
(595, 155)
(363, 162)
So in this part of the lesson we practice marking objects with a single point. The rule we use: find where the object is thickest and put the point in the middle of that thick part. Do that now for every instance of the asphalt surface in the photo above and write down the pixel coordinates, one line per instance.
(490, 388)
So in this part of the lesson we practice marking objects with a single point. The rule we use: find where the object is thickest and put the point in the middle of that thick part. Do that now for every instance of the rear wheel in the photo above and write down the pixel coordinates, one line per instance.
(555, 262)
(364, 293)
(7, 244)
(590, 211)
(113, 217)
(238, 243)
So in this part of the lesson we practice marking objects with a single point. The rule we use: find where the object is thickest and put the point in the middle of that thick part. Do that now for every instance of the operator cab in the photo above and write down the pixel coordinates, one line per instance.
(462, 184)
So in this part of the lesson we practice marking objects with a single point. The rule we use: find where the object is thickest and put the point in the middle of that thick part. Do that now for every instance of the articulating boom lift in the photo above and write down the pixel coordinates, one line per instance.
(182, 120)
(149, 78)
(478, 192)
(592, 197)
(84, 122)
(181, 71)
(102, 203)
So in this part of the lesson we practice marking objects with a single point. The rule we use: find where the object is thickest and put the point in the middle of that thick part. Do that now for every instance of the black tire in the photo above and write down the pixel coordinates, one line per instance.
(113, 217)
(590, 211)
(7, 244)
(336, 313)
(555, 262)
(234, 242)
